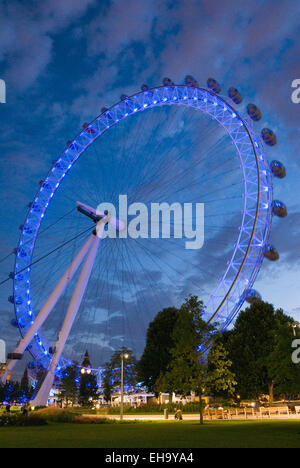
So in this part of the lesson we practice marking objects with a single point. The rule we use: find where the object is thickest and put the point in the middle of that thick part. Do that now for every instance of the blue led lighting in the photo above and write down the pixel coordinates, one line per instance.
(254, 168)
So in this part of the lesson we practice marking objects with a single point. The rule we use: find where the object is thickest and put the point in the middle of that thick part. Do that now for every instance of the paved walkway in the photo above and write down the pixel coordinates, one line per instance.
(187, 417)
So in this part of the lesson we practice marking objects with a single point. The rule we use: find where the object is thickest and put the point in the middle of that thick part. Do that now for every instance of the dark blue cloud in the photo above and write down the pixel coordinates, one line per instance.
(63, 61)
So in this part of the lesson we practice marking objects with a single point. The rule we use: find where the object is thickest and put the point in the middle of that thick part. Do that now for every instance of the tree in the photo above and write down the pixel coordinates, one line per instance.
(10, 392)
(69, 384)
(25, 388)
(112, 372)
(188, 370)
(220, 378)
(157, 353)
(107, 382)
(130, 368)
(259, 360)
(88, 391)
(284, 373)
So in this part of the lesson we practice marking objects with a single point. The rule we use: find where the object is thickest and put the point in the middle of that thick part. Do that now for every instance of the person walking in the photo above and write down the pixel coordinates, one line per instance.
(178, 415)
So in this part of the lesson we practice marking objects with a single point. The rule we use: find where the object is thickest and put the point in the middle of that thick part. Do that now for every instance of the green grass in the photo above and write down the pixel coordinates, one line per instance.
(189, 434)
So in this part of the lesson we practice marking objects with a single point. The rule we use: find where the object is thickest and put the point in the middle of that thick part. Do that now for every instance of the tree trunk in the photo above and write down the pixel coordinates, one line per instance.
(271, 392)
(201, 410)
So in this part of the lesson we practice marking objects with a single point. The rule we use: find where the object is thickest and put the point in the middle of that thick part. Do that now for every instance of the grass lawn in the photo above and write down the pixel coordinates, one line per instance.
(189, 434)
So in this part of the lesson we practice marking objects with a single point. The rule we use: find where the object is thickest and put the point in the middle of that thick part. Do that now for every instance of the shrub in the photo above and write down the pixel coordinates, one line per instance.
(93, 420)
(56, 415)
(21, 421)
(99, 420)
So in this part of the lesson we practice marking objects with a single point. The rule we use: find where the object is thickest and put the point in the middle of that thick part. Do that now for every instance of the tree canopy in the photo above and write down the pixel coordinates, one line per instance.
(159, 343)
(111, 378)
(260, 348)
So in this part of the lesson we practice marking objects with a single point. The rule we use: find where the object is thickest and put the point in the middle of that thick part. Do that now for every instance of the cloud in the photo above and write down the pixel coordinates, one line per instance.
(27, 34)
(122, 24)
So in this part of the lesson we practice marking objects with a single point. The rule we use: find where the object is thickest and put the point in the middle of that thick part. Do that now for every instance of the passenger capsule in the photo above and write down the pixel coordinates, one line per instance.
(214, 85)
(252, 296)
(14, 323)
(145, 87)
(89, 129)
(191, 82)
(271, 253)
(254, 112)
(268, 136)
(234, 94)
(124, 97)
(17, 324)
(279, 209)
(105, 110)
(168, 82)
(189, 79)
(278, 169)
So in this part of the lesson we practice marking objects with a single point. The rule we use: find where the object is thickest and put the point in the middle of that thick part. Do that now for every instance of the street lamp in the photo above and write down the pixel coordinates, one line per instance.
(295, 325)
(123, 356)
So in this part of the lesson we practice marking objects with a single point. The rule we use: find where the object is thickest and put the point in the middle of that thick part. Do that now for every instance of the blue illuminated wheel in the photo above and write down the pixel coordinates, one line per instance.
(227, 158)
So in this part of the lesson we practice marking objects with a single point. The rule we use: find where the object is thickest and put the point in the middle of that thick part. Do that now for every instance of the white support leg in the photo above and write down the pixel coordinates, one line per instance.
(41, 398)
(49, 305)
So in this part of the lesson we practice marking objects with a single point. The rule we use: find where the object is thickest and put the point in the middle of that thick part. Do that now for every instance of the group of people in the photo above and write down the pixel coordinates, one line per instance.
(25, 409)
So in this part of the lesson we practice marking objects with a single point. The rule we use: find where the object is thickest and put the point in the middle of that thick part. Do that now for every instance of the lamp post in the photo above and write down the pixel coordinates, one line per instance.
(123, 356)
(295, 325)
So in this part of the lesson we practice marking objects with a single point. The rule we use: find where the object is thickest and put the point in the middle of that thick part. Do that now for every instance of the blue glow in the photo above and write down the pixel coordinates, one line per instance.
(184, 94)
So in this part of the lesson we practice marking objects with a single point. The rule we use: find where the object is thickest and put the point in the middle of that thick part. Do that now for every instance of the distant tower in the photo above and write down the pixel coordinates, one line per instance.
(86, 363)
(2, 352)
(3, 361)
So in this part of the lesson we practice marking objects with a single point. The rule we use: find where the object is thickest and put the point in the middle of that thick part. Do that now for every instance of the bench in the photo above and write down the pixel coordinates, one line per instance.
(241, 413)
(274, 411)
(216, 414)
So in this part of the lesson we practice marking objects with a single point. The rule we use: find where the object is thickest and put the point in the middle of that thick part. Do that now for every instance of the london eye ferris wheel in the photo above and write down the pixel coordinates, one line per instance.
(74, 288)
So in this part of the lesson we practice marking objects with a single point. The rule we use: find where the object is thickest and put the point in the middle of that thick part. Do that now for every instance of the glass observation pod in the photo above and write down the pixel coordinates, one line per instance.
(168, 82)
(252, 296)
(271, 253)
(254, 112)
(279, 209)
(124, 97)
(278, 169)
(268, 136)
(191, 82)
(214, 85)
(234, 94)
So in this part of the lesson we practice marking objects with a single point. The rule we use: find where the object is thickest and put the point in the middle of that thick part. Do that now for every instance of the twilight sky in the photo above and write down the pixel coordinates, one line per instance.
(64, 60)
